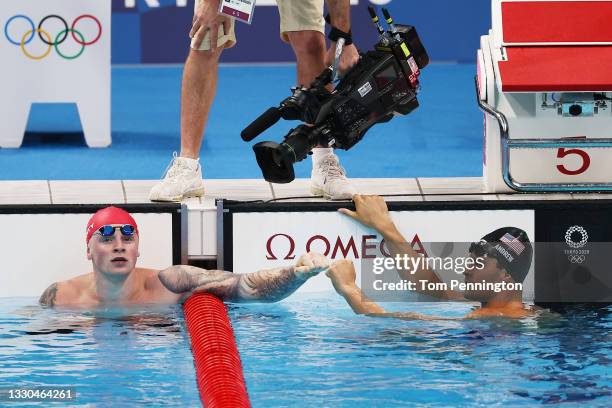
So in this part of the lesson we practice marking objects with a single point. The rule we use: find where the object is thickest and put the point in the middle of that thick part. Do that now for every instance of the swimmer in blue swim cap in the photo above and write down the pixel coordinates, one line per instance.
(500, 263)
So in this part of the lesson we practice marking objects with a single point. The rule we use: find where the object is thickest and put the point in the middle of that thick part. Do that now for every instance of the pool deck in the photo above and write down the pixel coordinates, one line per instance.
(202, 211)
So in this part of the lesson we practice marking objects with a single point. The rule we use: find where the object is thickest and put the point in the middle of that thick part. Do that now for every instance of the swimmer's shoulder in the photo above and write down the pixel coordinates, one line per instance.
(484, 313)
(542, 312)
(68, 292)
(511, 313)
(155, 289)
(150, 278)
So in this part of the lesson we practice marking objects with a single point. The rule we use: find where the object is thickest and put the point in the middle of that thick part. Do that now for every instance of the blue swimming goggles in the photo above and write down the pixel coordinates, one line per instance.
(127, 230)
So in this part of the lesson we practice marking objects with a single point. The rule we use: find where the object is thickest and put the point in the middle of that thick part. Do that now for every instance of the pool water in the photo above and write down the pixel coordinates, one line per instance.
(110, 357)
(311, 350)
(316, 352)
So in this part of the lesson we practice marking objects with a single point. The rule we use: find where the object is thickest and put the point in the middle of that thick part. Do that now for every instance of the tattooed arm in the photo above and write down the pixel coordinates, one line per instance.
(48, 296)
(269, 285)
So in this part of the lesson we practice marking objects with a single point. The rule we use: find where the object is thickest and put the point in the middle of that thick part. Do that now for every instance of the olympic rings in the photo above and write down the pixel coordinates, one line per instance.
(46, 38)
(60, 19)
(576, 259)
(10, 20)
(65, 32)
(82, 42)
(23, 43)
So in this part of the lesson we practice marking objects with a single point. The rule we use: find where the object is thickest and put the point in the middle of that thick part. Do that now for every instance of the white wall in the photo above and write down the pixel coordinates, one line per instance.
(39, 249)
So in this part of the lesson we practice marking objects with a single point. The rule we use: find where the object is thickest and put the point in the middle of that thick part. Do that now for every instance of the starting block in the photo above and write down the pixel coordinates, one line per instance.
(544, 84)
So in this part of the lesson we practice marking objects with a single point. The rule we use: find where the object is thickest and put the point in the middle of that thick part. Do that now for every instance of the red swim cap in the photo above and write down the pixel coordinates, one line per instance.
(108, 216)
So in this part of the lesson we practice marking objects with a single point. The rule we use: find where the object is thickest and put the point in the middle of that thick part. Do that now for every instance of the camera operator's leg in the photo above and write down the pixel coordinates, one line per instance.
(302, 26)
(309, 49)
(197, 94)
(183, 177)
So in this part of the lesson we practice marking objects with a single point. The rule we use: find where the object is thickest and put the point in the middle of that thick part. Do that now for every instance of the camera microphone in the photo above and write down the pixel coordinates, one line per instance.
(261, 124)
(381, 31)
(392, 26)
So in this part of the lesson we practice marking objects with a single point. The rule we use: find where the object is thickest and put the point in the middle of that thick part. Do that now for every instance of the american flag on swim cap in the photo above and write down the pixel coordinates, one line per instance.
(513, 243)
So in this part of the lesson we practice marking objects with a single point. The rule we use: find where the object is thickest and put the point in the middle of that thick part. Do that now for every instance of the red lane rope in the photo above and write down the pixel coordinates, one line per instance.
(217, 361)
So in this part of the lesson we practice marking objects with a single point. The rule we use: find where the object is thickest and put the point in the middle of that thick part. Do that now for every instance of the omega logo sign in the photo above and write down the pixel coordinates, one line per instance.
(283, 246)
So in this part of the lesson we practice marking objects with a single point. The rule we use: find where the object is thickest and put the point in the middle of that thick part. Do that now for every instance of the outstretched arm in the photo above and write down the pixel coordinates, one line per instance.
(343, 276)
(372, 212)
(269, 285)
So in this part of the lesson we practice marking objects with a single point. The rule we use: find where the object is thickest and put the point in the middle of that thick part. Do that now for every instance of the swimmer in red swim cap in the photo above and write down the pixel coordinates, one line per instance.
(112, 240)
(112, 243)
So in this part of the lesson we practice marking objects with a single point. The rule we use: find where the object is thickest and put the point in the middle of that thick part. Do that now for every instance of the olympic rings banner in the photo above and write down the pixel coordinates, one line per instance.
(55, 51)
(49, 40)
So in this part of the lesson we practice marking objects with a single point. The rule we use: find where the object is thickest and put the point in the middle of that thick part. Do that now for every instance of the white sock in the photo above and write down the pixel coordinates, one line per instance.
(319, 153)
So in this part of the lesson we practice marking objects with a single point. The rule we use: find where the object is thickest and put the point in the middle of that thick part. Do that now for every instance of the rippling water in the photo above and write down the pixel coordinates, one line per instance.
(111, 357)
(313, 351)
(316, 352)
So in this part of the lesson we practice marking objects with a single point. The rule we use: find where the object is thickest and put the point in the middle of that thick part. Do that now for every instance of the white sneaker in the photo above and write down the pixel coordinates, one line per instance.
(183, 179)
(329, 179)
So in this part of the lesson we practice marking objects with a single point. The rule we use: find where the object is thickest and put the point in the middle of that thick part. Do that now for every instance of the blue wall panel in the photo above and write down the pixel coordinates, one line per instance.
(450, 30)
(125, 38)
(165, 34)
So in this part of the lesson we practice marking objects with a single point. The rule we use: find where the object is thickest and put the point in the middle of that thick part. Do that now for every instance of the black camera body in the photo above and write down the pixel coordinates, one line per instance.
(383, 83)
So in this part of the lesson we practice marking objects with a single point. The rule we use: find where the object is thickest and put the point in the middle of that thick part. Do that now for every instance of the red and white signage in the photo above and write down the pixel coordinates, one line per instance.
(269, 240)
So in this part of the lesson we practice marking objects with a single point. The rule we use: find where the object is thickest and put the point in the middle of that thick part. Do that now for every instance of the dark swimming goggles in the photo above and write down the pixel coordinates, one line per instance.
(482, 248)
(127, 230)
(486, 249)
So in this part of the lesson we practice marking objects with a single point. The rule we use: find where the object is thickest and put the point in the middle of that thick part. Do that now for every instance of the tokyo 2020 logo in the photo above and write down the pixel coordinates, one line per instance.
(51, 41)
(577, 255)
(576, 229)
